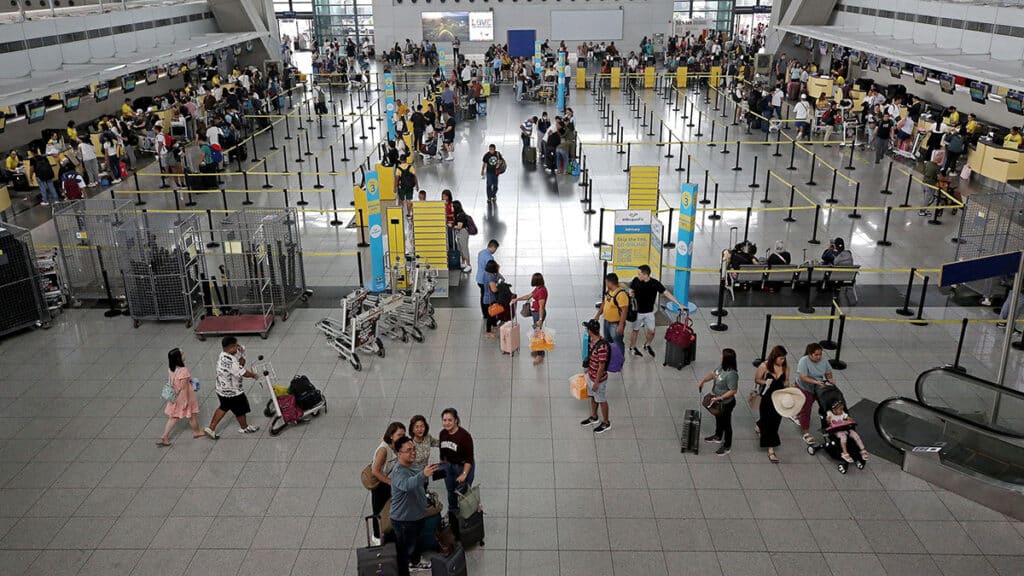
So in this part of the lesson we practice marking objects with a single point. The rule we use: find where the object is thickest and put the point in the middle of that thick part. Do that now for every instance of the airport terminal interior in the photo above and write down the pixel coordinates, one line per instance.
(835, 177)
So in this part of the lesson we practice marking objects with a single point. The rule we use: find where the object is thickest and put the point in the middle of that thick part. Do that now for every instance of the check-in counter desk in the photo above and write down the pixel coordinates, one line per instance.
(817, 84)
(995, 162)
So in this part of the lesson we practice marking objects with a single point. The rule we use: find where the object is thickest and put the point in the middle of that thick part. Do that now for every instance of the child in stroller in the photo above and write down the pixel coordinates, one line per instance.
(837, 428)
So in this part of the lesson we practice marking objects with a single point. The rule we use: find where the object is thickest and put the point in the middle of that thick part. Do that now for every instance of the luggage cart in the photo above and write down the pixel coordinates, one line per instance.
(391, 323)
(415, 309)
(266, 377)
(356, 330)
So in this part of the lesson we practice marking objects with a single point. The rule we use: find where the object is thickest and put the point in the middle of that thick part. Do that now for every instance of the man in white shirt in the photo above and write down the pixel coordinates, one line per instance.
(230, 372)
(213, 134)
(802, 114)
(777, 97)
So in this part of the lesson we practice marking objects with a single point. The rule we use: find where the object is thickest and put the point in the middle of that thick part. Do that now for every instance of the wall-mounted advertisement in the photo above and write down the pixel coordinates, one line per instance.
(462, 26)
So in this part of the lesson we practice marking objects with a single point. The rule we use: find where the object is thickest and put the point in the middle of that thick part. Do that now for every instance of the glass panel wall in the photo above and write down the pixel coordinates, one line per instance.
(343, 19)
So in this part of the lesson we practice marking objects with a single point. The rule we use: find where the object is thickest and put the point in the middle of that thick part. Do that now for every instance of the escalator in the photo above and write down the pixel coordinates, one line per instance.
(962, 433)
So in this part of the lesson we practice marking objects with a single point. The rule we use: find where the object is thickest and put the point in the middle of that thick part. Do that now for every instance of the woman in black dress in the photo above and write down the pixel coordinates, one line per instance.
(771, 375)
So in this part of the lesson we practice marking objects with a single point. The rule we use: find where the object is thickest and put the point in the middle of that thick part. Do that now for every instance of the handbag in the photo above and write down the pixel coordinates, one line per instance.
(168, 393)
(525, 310)
(469, 502)
(755, 398)
(368, 479)
(681, 332)
(495, 310)
(709, 404)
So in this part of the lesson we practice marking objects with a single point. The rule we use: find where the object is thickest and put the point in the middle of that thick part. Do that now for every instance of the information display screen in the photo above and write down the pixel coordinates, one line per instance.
(71, 102)
(1015, 102)
(947, 84)
(979, 92)
(151, 76)
(102, 91)
(462, 26)
(895, 70)
(920, 76)
(36, 111)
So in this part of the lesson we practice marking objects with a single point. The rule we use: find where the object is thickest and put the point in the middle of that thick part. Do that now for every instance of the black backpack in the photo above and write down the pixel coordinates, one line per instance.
(504, 294)
(300, 384)
(406, 180)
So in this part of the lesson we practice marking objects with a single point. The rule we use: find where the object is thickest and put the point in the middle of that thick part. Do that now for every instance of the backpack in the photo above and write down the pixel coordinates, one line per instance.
(471, 225)
(217, 156)
(299, 385)
(406, 180)
(504, 294)
(501, 166)
(615, 301)
(615, 357)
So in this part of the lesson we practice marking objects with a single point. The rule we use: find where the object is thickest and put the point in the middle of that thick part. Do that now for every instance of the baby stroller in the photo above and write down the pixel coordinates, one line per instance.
(828, 396)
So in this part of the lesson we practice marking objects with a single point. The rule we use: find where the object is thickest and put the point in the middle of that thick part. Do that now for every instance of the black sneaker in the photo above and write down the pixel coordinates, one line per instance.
(713, 439)
(722, 450)
(636, 352)
(603, 427)
(590, 421)
(649, 350)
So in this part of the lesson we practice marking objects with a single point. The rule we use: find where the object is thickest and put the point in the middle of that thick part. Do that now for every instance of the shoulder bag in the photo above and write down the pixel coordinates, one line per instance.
(168, 393)
(368, 479)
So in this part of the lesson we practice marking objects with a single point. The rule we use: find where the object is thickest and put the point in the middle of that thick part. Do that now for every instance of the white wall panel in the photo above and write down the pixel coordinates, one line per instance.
(73, 52)
(16, 65)
(925, 33)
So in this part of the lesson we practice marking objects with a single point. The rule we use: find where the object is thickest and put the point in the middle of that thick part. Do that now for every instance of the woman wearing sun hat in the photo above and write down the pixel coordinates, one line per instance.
(772, 376)
(787, 403)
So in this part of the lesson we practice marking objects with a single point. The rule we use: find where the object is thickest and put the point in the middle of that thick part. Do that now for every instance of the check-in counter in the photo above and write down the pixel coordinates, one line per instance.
(995, 162)
(818, 84)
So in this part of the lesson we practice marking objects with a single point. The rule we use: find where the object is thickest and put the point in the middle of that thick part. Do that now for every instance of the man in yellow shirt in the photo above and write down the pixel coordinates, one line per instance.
(1013, 139)
(613, 311)
(12, 163)
(72, 131)
(972, 124)
(126, 108)
(402, 108)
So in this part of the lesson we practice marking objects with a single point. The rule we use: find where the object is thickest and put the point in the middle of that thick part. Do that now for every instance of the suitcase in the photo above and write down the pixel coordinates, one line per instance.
(471, 530)
(530, 155)
(677, 356)
(454, 255)
(793, 90)
(377, 560)
(452, 565)
(509, 336)
(689, 441)
(428, 537)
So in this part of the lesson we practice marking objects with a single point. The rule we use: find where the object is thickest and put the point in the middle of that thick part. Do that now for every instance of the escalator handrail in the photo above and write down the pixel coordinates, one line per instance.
(919, 389)
(966, 422)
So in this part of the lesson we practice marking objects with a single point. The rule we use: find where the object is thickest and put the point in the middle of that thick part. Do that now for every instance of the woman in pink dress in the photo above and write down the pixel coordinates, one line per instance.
(186, 405)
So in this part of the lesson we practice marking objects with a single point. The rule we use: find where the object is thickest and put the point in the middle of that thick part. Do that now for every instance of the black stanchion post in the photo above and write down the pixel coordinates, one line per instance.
(316, 164)
(287, 128)
(687, 163)
(836, 363)
(213, 240)
(764, 342)
(714, 206)
(334, 114)
(643, 123)
(814, 162)
(245, 183)
(177, 199)
(298, 151)
(191, 201)
(668, 151)
(680, 167)
(590, 198)
(725, 145)
(334, 202)
(778, 142)
(789, 217)
(224, 198)
(807, 308)
(621, 151)
(362, 229)
(700, 124)
(284, 158)
(273, 144)
(856, 202)
(362, 127)
(661, 134)
(753, 174)
(959, 348)
(650, 131)
(670, 243)
(711, 141)
(832, 195)
(767, 185)
(704, 200)
(359, 267)
(850, 166)
(906, 197)
(814, 232)
(629, 155)
(885, 229)
(307, 152)
(792, 156)
(828, 343)
(138, 199)
(888, 178)
(737, 167)
(920, 304)
(287, 201)
(746, 224)
(600, 230)
(720, 312)
(905, 311)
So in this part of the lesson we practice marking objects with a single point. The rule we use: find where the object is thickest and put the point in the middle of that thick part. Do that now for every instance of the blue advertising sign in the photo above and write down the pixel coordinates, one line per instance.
(377, 283)
(537, 56)
(979, 268)
(684, 246)
(389, 103)
(442, 58)
(561, 82)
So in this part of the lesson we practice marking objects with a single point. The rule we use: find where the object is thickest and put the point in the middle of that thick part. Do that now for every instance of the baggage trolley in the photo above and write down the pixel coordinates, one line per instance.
(266, 377)
(356, 330)
(391, 322)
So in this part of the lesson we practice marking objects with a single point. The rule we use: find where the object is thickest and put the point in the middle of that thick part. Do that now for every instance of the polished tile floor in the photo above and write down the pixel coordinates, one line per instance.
(83, 489)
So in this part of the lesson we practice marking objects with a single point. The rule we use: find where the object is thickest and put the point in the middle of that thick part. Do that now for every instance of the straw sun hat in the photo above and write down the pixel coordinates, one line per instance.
(788, 402)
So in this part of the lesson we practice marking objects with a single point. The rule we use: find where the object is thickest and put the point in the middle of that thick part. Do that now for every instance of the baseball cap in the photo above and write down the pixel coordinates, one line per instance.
(592, 325)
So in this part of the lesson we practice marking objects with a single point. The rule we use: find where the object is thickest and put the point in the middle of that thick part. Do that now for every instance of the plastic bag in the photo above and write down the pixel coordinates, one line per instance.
(280, 390)
(542, 340)
(578, 387)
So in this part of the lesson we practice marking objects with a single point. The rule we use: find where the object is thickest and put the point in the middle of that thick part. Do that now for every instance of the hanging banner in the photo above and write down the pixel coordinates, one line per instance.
(442, 59)
(537, 56)
(684, 246)
(561, 82)
(373, 219)
(389, 104)
(632, 244)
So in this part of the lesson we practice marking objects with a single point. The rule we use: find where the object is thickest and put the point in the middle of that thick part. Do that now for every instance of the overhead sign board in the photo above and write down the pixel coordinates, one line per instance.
(979, 268)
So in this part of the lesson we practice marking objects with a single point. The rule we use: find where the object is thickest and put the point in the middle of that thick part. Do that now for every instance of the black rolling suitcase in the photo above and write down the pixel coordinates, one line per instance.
(377, 560)
(678, 357)
(471, 530)
(453, 564)
(689, 440)
(530, 155)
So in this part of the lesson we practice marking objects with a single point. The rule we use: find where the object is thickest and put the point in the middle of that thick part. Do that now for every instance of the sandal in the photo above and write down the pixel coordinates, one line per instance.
(847, 458)
(162, 444)
(773, 458)
(809, 439)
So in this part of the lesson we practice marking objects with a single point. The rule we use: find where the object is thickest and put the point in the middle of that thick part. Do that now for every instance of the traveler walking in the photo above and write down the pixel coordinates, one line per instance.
(230, 372)
(645, 290)
(596, 374)
(812, 371)
(185, 403)
(492, 166)
(42, 170)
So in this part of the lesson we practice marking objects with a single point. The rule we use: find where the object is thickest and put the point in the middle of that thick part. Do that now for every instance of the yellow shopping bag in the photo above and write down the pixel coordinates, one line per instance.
(542, 340)
(578, 387)
(280, 390)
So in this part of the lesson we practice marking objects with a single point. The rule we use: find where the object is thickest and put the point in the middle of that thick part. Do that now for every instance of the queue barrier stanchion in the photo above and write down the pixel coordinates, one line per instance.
(704, 201)
(814, 231)
(254, 151)
(600, 230)
(725, 145)
(746, 224)
(266, 180)
(287, 128)
(850, 165)
(273, 144)
(661, 134)
(177, 199)
(334, 202)
(905, 311)
(792, 156)
(629, 155)
(832, 195)
(359, 267)
(287, 201)
(689, 117)
(362, 229)
(936, 219)
(888, 178)
(789, 216)
(767, 185)
(334, 113)
(737, 167)
(753, 174)
(814, 162)
(720, 312)
(650, 131)
(670, 243)
(959, 348)
(680, 167)
(807, 308)
(224, 198)
(307, 152)
(213, 240)
(714, 206)
(668, 152)
(919, 320)
(590, 199)
(828, 343)
(316, 164)
(700, 124)
(643, 122)
(778, 143)
(856, 202)
(191, 201)
(885, 228)
(245, 184)
(711, 140)
(298, 152)
(837, 363)
(764, 342)
(138, 196)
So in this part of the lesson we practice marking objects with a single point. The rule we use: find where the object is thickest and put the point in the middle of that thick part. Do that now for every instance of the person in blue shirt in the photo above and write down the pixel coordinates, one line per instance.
(408, 503)
(485, 256)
